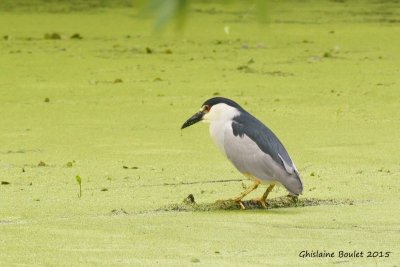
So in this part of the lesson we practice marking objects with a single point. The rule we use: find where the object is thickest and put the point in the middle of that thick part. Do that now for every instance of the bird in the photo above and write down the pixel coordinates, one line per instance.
(251, 147)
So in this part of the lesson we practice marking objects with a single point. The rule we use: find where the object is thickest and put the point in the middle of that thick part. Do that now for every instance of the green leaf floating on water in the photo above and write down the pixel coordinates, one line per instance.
(79, 181)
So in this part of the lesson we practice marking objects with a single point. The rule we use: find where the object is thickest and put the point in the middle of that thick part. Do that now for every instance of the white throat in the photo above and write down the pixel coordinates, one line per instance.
(220, 112)
(220, 118)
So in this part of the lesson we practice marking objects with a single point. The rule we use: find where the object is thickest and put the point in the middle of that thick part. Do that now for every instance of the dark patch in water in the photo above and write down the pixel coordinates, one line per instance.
(20, 151)
(76, 36)
(118, 212)
(273, 203)
(42, 164)
(52, 36)
(189, 200)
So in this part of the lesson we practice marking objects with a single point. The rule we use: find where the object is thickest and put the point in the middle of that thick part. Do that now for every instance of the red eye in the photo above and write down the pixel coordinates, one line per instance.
(207, 108)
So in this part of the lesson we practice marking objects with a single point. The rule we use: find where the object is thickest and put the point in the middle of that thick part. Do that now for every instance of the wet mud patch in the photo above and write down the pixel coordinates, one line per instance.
(189, 204)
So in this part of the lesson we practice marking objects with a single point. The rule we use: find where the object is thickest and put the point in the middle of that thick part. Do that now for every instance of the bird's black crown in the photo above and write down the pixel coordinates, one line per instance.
(217, 100)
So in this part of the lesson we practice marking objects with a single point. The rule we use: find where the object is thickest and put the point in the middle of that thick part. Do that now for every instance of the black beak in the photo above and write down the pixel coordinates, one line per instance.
(192, 120)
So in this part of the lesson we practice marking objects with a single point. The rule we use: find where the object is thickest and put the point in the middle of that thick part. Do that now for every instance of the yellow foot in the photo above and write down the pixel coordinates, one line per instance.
(260, 201)
(239, 201)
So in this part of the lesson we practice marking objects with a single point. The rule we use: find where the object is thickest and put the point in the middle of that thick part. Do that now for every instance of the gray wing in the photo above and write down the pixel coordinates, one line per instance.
(256, 150)
(265, 139)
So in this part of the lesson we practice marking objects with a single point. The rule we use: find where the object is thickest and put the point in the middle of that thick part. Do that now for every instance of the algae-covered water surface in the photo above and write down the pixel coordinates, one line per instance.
(96, 171)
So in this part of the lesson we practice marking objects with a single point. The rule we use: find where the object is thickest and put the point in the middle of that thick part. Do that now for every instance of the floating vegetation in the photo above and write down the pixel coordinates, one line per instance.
(189, 204)
(42, 164)
(79, 181)
(76, 36)
(195, 260)
(118, 212)
(52, 36)
(246, 69)
(149, 50)
(133, 167)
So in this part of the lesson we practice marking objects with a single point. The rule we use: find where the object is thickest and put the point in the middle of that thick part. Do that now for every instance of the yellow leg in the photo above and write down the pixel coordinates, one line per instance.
(269, 189)
(262, 199)
(245, 193)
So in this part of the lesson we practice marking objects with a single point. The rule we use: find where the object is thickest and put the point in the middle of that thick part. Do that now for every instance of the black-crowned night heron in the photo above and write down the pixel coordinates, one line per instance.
(250, 145)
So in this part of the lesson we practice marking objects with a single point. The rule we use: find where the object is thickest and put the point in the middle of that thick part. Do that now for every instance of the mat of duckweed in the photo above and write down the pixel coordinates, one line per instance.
(189, 204)
(85, 93)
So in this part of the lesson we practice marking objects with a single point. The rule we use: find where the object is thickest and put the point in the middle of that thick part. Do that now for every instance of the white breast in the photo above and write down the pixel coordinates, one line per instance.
(217, 132)
(220, 117)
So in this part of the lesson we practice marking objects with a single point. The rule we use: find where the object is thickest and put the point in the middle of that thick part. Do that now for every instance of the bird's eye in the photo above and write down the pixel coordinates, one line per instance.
(207, 108)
